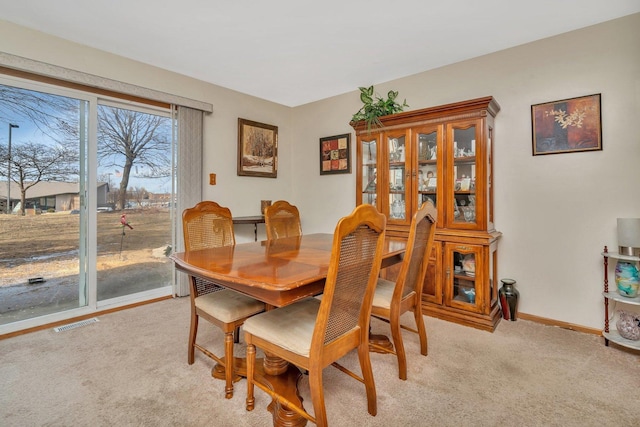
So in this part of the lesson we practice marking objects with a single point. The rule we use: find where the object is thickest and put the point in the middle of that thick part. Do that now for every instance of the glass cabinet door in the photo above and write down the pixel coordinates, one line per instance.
(398, 180)
(464, 287)
(462, 154)
(369, 190)
(426, 144)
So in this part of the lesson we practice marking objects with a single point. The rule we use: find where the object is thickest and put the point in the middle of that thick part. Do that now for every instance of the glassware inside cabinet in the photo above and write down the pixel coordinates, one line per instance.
(369, 148)
(397, 177)
(464, 170)
(397, 206)
(464, 278)
(397, 150)
(427, 146)
(427, 167)
(369, 171)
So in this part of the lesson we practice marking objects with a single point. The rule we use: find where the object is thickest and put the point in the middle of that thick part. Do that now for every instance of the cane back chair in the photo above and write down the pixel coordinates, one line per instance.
(209, 225)
(282, 219)
(392, 299)
(313, 333)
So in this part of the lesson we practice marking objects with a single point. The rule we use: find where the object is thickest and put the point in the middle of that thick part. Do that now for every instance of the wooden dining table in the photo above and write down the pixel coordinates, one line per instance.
(277, 272)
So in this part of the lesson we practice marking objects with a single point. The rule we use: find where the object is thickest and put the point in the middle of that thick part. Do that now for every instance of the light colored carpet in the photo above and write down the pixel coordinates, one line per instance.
(130, 369)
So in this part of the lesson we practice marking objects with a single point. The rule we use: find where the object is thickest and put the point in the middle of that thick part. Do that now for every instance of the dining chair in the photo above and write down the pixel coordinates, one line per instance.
(314, 333)
(392, 299)
(209, 225)
(282, 219)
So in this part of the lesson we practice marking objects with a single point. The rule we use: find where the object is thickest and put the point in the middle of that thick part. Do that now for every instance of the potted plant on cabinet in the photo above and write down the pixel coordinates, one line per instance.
(375, 107)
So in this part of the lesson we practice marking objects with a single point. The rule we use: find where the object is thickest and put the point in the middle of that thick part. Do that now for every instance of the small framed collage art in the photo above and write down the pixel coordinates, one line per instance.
(335, 154)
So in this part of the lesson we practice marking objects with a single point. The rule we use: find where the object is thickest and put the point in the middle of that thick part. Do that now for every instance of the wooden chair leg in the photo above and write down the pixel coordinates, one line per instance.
(228, 364)
(396, 334)
(236, 335)
(251, 360)
(422, 330)
(193, 331)
(367, 376)
(317, 396)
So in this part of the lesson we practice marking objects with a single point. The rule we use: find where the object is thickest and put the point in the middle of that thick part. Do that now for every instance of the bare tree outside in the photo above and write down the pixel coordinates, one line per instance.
(128, 138)
(53, 159)
(55, 116)
(139, 194)
(32, 163)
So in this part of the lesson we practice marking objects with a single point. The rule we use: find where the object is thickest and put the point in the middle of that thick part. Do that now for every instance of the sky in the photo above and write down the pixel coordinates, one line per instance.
(28, 131)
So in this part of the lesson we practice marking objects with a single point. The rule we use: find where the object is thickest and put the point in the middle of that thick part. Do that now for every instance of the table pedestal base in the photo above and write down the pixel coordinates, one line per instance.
(382, 341)
(240, 366)
(285, 384)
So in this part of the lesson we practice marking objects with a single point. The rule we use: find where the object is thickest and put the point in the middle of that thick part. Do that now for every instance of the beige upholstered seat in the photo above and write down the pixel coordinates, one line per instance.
(392, 299)
(209, 225)
(282, 220)
(312, 333)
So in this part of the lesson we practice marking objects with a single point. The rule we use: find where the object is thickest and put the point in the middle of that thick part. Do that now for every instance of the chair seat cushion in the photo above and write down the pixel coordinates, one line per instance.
(383, 293)
(290, 327)
(228, 306)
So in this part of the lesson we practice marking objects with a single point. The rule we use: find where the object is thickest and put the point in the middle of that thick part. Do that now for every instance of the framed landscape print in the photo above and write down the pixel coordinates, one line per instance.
(257, 149)
(566, 126)
(335, 154)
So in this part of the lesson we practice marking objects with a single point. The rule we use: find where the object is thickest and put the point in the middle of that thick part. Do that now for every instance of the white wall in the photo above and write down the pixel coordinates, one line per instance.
(556, 212)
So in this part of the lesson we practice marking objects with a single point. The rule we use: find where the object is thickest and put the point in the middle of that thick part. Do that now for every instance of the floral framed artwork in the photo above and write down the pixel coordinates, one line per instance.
(567, 126)
(257, 149)
(335, 154)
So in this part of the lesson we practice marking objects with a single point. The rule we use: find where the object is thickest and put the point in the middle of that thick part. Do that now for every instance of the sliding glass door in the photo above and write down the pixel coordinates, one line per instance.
(134, 221)
(44, 216)
(86, 201)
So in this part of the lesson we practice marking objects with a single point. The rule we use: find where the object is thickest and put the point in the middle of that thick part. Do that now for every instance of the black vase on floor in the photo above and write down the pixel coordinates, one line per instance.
(509, 296)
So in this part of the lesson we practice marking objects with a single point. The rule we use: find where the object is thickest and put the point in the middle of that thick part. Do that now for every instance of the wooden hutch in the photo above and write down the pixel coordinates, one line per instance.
(445, 154)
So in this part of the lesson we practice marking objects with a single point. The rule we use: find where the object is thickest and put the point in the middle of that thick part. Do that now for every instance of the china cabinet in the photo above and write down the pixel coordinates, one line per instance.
(614, 297)
(444, 154)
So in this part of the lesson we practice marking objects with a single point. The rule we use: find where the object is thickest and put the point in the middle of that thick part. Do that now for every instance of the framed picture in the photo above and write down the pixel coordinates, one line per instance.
(335, 154)
(257, 149)
(567, 126)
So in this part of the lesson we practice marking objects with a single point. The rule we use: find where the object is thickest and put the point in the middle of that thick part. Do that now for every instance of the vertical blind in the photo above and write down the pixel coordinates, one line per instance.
(189, 180)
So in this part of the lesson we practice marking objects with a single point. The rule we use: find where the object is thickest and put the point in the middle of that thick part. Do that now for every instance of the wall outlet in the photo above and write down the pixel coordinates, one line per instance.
(212, 179)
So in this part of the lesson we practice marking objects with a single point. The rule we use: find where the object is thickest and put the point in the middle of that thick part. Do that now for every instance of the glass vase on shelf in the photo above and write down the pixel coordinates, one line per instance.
(469, 214)
(397, 209)
(627, 280)
(394, 209)
(422, 150)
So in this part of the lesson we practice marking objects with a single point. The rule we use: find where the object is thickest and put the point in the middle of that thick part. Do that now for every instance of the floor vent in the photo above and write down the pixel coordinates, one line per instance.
(75, 325)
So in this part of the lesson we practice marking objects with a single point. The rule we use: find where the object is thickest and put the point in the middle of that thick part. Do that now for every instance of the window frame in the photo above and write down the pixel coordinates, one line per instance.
(94, 97)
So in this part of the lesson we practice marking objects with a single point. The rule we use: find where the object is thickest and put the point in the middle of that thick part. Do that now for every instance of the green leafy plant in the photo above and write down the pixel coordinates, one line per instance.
(375, 107)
